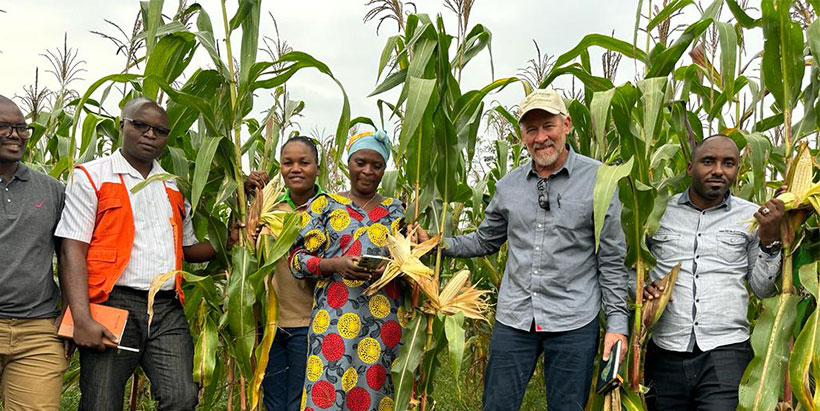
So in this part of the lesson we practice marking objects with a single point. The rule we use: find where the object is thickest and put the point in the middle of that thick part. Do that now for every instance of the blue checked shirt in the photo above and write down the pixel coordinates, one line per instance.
(719, 256)
(553, 277)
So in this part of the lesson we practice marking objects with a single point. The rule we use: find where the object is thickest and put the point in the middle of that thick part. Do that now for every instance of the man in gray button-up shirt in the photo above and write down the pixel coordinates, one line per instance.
(555, 283)
(700, 347)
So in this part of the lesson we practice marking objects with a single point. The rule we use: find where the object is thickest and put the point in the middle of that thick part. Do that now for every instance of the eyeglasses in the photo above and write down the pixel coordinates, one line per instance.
(143, 127)
(543, 194)
(23, 130)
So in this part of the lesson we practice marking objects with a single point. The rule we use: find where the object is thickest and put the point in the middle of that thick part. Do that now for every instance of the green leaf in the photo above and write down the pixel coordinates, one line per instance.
(759, 146)
(250, 38)
(418, 98)
(599, 112)
(152, 23)
(783, 63)
(762, 382)
(652, 98)
(454, 329)
(410, 355)
(149, 180)
(667, 12)
(593, 83)
(386, 53)
(740, 15)
(205, 352)
(664, 63)
(805, 353)
(604, 41)
(241, 298)
(728, 56)
(169, 59)
(391, 81)
(606, 181)
(202, 167)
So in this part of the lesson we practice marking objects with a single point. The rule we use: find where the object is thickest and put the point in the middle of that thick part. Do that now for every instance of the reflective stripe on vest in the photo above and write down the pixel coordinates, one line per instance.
(110, 248)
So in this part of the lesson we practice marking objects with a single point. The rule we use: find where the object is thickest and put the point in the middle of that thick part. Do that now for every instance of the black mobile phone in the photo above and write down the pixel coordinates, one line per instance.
(372, 261)
(608, 378)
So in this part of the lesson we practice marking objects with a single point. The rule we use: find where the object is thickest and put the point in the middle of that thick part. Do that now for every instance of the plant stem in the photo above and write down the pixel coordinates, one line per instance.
(230, 384)
(237, 166)
(634, 379)
(788, 271)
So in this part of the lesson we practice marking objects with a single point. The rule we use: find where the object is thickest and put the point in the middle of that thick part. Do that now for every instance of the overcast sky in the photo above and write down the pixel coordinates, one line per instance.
(331, 31)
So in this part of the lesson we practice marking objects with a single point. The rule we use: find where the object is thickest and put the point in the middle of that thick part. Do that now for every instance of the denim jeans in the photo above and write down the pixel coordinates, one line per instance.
(699, 380)
(285, 373)
(568, 362)
(166, 356)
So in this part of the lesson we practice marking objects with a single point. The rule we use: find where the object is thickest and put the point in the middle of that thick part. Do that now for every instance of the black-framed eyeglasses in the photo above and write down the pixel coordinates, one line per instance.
(23, 130)
(142, 127)
(543, 194)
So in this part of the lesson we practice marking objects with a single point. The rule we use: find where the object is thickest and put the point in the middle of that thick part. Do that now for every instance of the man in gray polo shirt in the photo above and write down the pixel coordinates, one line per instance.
(32, 358)
(555, 283)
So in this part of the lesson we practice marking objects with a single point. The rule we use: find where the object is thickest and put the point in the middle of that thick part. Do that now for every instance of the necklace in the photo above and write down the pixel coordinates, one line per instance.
(364, 207)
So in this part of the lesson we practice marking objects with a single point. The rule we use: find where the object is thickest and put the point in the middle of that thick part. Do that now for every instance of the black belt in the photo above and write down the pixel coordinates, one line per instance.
(160, 295)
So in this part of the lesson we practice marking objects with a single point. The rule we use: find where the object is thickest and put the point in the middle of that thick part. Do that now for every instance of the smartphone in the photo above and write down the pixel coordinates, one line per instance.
(608, 378)
(372, 261)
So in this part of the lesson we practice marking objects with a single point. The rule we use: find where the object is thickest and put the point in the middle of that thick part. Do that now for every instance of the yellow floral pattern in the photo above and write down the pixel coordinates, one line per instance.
(379, 306)
(404, 316)
(349, 379)
(304, 219)
(340, 199)
(339, 219)
(369, 350)
(386, 404)
(349, 325)
(387, 201)
(321, 320)
(353, 283)
(314, 239)
(378, 234)
(314, 368)
(318, 205)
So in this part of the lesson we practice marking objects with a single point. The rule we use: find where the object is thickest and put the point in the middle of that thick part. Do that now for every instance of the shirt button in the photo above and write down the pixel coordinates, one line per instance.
(539, 225)
(696, 323)
(8, 200)
(537, 248)
(698, 234)
(697, 300)
(697, 276)
(535, 272)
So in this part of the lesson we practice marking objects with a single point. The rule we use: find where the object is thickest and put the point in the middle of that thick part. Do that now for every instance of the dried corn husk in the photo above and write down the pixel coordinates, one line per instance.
(652, 310)
(405, 261)
(460, 295)
(156, 283)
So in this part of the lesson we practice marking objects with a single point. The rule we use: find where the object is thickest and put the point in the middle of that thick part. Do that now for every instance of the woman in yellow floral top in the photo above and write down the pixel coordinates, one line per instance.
(353, 338)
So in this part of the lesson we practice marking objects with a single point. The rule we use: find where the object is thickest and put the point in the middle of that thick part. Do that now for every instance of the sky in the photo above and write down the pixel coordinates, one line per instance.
(331, 31)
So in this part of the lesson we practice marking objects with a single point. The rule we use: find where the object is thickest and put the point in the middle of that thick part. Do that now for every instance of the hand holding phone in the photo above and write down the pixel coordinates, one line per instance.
(608, 378)
(372, 261)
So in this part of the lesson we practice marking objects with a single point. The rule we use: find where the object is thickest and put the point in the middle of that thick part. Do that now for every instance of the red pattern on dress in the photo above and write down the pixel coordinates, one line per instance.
(354, 214)
(337, 294)
(391, 333)
(333, 347)
(323, 394)
(358, 399)
(313, 265)
(376, 376)
(377, 213)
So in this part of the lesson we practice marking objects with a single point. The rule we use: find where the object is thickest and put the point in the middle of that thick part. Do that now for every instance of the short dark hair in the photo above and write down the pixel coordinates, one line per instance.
(306, 141)
(702, 142)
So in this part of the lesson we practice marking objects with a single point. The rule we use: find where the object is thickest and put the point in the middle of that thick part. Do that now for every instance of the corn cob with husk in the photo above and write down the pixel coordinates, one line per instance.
(262, 209)
(652, 310)
(802, 191)
(458, 294)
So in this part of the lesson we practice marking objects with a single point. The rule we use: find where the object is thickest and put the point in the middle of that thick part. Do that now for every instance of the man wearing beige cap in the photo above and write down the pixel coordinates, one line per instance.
(555, 282)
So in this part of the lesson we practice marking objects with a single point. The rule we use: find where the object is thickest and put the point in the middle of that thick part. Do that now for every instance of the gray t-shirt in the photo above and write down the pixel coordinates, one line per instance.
(30, 207)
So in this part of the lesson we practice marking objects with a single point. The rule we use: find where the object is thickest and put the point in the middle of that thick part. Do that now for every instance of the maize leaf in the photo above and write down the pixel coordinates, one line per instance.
(241, 298)
(410, 355)
(762, 381)
(156, 283)
(454, 330)
(263, 349)
(205, 350)
(652, 310)
(805, 353)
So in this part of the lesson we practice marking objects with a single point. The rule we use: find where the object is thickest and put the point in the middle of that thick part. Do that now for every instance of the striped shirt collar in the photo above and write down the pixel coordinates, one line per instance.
(686, 200)
(121, 166)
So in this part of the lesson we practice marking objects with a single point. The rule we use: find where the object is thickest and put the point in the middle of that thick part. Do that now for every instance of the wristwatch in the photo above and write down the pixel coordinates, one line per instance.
(773, 248)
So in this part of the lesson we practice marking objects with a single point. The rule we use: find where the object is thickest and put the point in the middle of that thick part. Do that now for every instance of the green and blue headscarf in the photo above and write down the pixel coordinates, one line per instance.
(378, 142)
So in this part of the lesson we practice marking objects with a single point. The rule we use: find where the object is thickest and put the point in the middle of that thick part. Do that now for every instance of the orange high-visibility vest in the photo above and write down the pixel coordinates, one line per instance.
(113, 236)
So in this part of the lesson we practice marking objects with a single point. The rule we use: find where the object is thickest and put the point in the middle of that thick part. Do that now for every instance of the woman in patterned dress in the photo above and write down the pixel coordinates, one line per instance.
(354, 338)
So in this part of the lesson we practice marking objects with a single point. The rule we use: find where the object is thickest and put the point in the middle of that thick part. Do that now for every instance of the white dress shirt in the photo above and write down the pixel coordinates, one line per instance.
(153, 249)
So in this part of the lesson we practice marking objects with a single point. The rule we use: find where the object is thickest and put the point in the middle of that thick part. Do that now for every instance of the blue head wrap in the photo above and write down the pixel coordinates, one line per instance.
(378, 142)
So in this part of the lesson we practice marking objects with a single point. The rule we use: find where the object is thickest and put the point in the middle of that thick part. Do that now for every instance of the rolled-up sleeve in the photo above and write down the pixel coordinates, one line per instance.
(763, 269)
(488, 239)
(80, 209)
(613, 276)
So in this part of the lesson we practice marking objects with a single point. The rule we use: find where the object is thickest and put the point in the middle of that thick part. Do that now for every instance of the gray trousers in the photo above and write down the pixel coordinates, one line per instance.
(166, 356)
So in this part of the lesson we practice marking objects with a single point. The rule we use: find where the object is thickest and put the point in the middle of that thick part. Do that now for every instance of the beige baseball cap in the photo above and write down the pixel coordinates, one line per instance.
(545, 99)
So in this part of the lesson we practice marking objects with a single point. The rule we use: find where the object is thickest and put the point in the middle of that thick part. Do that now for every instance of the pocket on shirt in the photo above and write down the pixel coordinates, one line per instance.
(109, 226)
(664, 244)
(572, 214)
(732, 246)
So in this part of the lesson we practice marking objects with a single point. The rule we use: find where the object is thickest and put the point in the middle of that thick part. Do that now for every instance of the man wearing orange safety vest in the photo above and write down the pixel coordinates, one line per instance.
(114, 243)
